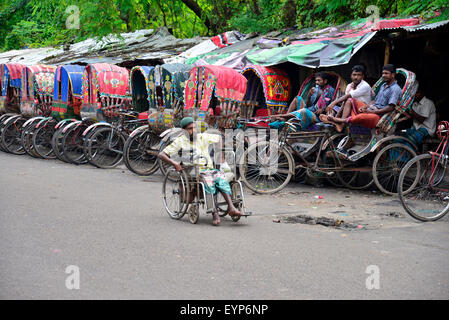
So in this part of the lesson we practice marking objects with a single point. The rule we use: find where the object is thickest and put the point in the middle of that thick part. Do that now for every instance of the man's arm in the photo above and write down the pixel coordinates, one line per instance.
(339, 100)
(172, 148)
(292, 106)
(418, 117)
(164, 157)
(380, 112)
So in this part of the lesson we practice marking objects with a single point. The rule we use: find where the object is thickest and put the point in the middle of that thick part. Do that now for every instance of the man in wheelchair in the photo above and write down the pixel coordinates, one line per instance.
(215, 180)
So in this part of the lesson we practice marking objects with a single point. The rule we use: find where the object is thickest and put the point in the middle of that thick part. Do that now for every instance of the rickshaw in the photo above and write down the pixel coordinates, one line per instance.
(268, 92)
(213, 94)
(65, 108)
(35, 102)
(158, 97)
(104, 141)
(10, 85)
(104, 94)
(376, 154)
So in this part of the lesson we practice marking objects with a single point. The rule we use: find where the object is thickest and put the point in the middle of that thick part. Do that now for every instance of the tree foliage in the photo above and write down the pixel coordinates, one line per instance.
(35, 23)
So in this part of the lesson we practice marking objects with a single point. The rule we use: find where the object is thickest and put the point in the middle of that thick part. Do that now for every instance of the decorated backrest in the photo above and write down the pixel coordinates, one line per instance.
(173, 81)
(37, 80)
(210, 89)
(268, 88)
(105, 88)
(139, 85)
(37, 90)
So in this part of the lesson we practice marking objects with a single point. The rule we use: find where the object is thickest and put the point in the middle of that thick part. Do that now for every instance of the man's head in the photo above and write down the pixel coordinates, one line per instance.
(188, 124)
(357, 74)
(388, 73)
(419, 93)
(321, 79)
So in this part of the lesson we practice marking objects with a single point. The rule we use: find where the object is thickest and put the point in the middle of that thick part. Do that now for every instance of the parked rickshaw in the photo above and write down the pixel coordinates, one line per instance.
(35, 104)
(36, 95)
(158, 96)
(267, 167)
(38, 134)
(10, 85)
(268, 92)
(105, 95)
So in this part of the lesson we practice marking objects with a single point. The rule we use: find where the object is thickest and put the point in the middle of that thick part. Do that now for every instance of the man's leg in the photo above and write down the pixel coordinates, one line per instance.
(232, 210)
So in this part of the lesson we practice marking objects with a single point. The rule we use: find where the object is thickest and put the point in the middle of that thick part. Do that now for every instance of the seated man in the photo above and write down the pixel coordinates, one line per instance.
(307, 113)
(357, 92)
(424, 118)
(368, 115)
(214, 179)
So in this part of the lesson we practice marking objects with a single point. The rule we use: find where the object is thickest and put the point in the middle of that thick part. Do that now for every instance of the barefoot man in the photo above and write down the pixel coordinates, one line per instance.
(357, 92)
(368, 115)
(199, 143)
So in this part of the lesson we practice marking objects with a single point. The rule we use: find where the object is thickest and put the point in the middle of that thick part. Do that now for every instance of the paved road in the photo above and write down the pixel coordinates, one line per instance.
(111, 225)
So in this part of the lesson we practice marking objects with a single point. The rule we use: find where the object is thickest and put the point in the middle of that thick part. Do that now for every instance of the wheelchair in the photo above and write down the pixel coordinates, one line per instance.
(184, 192)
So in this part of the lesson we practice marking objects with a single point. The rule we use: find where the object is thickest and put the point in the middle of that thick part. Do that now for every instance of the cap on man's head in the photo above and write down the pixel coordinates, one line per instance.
(186, 121)
(389, 67)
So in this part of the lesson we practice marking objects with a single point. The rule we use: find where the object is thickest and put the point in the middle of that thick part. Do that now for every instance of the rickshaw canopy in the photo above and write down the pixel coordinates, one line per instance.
(221, 82)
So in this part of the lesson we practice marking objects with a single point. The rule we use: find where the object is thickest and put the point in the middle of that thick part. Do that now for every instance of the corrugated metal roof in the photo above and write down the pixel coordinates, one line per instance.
(429, 26)
(141, 44)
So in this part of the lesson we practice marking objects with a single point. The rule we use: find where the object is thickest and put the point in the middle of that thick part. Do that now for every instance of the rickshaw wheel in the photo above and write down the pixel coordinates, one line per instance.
(352, 179)
(26, 139)
(136, 153)
(265, 173)
(388, 164)
(11, 134)
(42, 140)
(56, 143)
(72, 144)
(104, 147)
(175, 193)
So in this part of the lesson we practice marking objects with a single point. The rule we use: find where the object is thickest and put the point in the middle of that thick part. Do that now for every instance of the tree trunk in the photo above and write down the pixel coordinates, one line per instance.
(193, 5)
(289, 13)
(255, 5)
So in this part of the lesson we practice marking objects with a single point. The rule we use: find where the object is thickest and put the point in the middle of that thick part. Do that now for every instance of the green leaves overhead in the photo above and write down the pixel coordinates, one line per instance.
(36, 23)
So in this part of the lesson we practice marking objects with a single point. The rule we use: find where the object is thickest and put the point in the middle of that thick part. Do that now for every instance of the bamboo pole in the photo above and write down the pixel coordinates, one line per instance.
(387, 52)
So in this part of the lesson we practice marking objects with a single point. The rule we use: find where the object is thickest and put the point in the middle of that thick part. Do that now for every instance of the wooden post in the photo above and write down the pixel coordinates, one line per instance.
(387, 51)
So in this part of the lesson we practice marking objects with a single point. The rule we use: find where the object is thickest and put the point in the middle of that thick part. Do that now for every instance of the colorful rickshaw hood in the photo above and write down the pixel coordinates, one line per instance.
(275, 82)
(225, 83)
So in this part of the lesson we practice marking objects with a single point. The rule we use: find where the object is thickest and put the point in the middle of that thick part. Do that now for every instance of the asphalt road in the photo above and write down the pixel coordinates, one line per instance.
(111, 225)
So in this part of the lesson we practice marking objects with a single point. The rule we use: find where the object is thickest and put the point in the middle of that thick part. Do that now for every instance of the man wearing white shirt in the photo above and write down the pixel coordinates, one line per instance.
(358, 92)
(424, 118)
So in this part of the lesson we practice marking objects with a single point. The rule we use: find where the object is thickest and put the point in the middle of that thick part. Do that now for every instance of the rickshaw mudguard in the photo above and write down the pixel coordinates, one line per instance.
(97, 124)
(169, 133)
(63, 121)
(331, 138)
(389, 138)
(43, 121)
(138, 130)
(75, 123)
(13, 118)
(32, 120)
